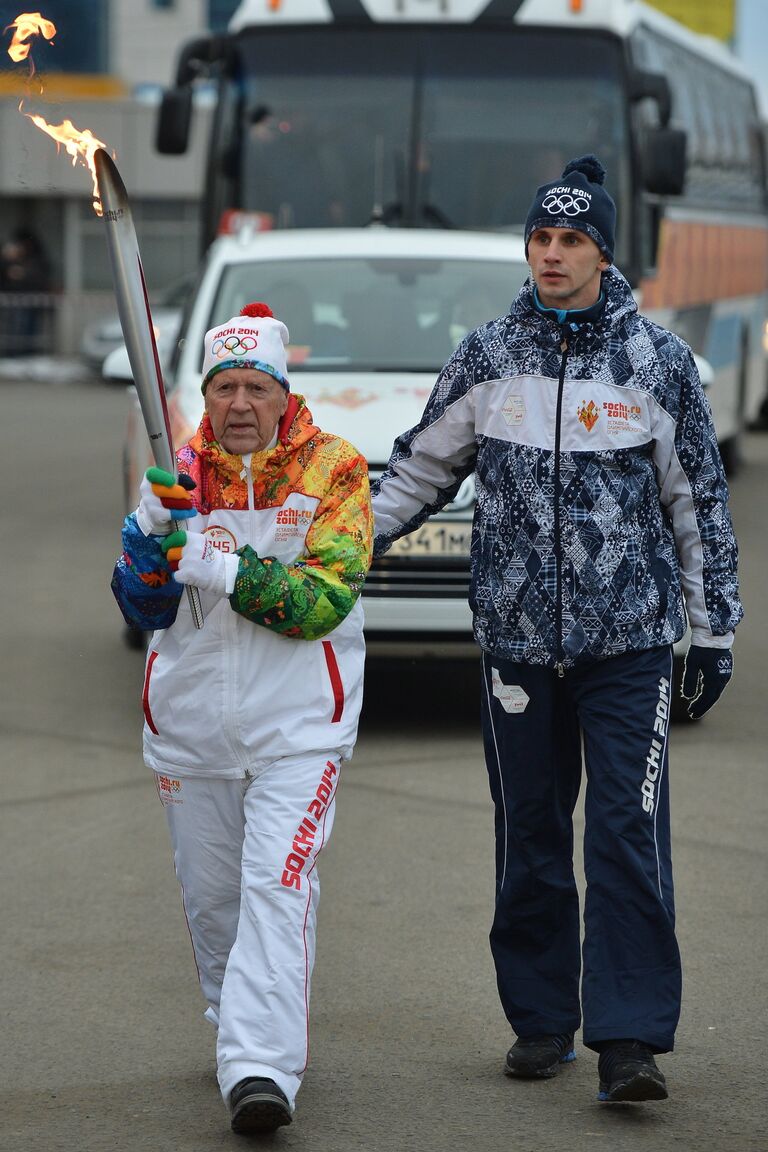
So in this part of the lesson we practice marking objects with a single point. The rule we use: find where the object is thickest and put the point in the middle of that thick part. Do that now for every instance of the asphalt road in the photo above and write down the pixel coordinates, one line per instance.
(103, 1044)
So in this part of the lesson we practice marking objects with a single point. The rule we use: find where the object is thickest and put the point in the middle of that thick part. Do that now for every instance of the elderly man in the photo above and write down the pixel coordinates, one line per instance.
(248, 720)
(601, 508)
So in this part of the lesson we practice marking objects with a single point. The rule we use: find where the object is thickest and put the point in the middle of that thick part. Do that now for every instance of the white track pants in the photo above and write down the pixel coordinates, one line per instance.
(245, 853)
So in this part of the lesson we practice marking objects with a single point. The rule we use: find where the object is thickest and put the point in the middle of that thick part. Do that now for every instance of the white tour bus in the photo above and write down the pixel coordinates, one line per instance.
(446, 114)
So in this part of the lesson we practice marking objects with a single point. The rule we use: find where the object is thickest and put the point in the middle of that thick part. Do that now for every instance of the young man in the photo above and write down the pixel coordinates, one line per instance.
(601, 516)
(248, 720)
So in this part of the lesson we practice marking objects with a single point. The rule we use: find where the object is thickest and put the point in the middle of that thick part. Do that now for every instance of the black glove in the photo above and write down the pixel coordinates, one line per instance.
(707, 671)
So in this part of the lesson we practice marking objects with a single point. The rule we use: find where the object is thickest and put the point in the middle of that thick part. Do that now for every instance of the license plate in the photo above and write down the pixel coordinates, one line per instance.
(435, 540)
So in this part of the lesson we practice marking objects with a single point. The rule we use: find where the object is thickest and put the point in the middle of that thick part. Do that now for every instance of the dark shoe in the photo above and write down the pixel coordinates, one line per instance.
(258, 1106)
(537, 1057)
(628, 1071)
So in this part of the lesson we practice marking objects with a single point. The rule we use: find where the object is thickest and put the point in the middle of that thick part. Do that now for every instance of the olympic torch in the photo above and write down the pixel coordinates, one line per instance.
(136, 323)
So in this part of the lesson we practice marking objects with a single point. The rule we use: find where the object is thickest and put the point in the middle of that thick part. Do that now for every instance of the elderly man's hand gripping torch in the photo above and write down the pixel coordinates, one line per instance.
(164, 501)
(194, 559)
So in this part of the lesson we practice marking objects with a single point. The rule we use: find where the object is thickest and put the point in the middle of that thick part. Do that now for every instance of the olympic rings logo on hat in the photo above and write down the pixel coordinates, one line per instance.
(233, 346)
(565, 204)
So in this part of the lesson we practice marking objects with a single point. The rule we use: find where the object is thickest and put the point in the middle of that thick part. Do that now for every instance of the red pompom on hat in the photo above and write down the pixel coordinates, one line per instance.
(256, 309)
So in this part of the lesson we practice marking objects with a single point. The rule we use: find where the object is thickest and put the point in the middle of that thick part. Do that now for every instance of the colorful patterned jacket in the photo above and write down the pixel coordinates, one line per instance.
(601, 497)
(277, 668)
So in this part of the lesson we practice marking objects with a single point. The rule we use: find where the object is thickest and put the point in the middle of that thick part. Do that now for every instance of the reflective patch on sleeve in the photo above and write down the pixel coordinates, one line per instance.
(511, 696)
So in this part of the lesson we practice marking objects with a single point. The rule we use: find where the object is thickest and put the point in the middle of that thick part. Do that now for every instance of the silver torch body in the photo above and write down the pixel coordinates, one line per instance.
(136, 323)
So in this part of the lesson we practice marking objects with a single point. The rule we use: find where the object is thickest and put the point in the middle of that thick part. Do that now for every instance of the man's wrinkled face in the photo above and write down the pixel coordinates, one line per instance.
(244, 406)
(566, 266)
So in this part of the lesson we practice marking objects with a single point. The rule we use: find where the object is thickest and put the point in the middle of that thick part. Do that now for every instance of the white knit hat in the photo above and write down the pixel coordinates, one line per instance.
(254, 339)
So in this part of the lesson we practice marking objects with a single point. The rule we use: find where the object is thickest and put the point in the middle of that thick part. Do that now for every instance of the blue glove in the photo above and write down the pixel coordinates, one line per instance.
(707, 671)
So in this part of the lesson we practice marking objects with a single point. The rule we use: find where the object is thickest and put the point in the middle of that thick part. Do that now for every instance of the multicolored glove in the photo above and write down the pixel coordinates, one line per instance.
(195, 560)
(707, 671)
(163, 499)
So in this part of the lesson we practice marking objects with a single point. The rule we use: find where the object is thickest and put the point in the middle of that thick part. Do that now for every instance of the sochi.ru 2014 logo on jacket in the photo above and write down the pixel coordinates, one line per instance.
(292, 523)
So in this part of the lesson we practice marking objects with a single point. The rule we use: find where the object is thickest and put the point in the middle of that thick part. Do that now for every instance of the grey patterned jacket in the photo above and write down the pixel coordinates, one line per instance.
(601, 496)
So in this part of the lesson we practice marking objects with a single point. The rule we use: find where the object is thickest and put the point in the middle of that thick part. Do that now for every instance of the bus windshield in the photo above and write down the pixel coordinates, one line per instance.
(441, 126)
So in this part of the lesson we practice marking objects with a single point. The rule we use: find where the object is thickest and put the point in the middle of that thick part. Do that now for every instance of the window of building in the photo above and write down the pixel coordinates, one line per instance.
(220, 13)
(168, 232)
(81, 43)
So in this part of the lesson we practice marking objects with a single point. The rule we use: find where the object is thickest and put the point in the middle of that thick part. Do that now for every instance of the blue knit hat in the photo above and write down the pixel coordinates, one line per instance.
(577, 200)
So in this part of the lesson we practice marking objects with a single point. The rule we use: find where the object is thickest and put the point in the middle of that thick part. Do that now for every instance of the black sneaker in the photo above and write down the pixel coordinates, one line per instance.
(537, 1057)
(258, 1106)
(628, 1071)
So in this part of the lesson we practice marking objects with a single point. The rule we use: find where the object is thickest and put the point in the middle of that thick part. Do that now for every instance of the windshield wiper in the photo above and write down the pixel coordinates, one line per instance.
(392, 214)
(436, 216)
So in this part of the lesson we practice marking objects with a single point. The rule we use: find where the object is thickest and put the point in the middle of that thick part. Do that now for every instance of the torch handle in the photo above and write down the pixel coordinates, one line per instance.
(193, 594)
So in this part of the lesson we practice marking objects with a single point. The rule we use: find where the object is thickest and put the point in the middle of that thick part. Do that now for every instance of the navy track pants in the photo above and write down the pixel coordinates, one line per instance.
(534, 723)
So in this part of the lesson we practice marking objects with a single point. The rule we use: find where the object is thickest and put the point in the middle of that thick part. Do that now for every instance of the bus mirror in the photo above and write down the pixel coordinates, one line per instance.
(174, 117)
(196, 58)
(663, 161)
(652, 86)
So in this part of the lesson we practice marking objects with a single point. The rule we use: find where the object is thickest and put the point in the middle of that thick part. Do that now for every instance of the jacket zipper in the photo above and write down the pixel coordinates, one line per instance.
(247, 476)
(231, 651)
(560, 665)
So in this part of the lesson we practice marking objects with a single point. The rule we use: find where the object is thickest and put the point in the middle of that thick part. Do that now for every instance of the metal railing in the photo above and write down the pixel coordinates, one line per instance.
(49, 323)
(28, 323)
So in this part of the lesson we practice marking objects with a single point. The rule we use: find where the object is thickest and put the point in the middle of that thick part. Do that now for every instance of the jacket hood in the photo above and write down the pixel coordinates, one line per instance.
(619, 305)
(296, 427)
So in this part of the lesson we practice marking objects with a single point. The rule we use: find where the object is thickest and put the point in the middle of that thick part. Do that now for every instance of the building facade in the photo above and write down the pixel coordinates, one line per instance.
(103, 70)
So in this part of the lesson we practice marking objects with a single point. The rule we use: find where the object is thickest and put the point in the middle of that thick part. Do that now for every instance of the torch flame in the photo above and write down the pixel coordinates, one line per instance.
(79, 145)
(28, 24)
